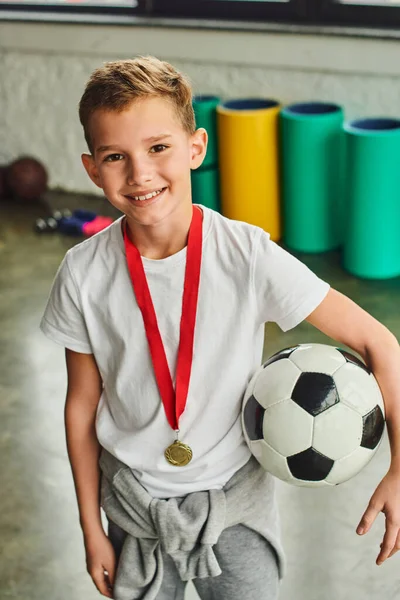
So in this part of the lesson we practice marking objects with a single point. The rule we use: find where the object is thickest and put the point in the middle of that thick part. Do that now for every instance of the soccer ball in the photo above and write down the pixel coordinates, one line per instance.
(313, 415)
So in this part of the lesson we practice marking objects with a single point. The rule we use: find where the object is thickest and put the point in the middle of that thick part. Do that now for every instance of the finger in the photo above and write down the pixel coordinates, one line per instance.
(100, 581)
(109, 581)
(396, 546)
(368, 518)
(110, 570)
(388, 543)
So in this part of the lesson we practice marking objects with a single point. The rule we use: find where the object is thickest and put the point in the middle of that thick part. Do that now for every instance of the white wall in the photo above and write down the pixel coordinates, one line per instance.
(44, 67)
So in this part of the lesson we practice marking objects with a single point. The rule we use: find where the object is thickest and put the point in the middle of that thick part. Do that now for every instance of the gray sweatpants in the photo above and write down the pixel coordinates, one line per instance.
(248, 563)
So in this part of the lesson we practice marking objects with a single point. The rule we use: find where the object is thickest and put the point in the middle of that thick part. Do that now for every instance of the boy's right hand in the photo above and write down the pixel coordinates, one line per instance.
(101, 562)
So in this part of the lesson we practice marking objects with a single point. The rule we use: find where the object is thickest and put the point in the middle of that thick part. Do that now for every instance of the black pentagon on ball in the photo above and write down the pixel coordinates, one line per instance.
(253, 416)
(350, 358)
(315, 392)
(285, 353)
(310, 465)
(373, 425)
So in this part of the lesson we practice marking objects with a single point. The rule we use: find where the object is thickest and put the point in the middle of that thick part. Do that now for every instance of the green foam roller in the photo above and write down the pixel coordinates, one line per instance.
(205, 188)
(372, 244)
(205, 110)
(312, 170)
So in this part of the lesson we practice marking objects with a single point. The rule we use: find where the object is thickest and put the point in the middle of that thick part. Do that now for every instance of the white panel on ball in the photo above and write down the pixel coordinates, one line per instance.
(287, 428)
(276, 382)
(317, 358)
(337, 431)
(313, 484)
(272, 461)
(349, 466)
(358, 389)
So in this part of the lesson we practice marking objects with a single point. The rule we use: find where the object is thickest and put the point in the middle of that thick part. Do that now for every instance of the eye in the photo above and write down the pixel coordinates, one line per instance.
(113, 157)
(158, 148)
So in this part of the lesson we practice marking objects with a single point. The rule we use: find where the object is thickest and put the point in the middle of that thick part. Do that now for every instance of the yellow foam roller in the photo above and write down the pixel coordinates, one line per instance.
(249, 162)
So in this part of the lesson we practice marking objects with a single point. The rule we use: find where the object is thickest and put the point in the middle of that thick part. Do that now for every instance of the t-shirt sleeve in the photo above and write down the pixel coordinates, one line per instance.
(286, 290)
(63, 321)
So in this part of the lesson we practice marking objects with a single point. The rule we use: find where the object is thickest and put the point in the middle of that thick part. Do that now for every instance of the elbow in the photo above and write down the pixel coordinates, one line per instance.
(381, 342)
(79, 415)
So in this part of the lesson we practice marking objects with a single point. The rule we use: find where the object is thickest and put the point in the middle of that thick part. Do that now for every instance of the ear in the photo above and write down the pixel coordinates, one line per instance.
(198, 147)
(91, 169)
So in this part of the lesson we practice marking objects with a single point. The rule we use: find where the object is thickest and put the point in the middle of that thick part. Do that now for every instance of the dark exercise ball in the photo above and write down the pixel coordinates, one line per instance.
(26, 179)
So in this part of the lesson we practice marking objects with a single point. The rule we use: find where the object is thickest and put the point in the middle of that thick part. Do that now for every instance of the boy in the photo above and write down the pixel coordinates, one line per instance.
(173, 294)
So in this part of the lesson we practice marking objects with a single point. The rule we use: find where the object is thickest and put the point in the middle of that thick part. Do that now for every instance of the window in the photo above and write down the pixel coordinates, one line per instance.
(75, 3)
(361, 13)
(72, 6)
(372, 2)
(240, 10)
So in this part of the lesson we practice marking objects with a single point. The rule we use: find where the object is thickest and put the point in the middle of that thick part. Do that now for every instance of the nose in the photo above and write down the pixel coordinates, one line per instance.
(139, 172)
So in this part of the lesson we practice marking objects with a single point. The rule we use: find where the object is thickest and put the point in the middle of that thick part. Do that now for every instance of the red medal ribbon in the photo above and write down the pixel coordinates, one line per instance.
(174, 401)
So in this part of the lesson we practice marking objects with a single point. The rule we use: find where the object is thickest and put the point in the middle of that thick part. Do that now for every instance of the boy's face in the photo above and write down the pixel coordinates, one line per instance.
(141, 151)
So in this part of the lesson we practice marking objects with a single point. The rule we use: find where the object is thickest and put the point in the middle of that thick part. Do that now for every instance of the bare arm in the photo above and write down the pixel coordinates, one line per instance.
(83, 395)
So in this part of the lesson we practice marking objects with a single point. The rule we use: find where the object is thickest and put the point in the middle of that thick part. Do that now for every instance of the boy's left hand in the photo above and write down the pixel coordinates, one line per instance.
(386, 499)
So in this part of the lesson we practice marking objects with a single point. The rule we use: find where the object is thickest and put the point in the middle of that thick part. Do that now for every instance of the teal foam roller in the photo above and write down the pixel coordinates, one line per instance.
(312, 170)
(205, 110)
(205, 188)
(372, 243)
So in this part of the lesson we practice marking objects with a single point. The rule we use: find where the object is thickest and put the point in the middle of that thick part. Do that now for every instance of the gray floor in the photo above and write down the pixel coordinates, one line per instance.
(41, 552)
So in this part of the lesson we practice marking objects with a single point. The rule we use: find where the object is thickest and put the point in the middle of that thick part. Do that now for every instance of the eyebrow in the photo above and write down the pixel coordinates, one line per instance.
(154, 138)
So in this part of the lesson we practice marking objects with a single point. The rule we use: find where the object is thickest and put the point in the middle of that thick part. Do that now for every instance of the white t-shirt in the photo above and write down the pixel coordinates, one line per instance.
(246, 280)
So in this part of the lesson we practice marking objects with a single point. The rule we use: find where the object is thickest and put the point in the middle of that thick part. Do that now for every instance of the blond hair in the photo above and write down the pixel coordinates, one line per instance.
(117, 84)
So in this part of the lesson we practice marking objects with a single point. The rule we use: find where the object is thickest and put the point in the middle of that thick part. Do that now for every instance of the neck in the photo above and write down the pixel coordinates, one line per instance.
(163, 239)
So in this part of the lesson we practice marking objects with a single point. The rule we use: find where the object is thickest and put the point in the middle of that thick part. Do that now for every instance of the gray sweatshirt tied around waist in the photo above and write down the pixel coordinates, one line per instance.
(186, 528)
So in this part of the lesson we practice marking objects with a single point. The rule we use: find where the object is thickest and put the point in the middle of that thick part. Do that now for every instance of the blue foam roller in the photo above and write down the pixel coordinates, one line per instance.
(84, 215)
(71, 226)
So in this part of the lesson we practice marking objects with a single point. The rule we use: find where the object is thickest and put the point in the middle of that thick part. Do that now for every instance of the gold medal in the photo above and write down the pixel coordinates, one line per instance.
(178, 454)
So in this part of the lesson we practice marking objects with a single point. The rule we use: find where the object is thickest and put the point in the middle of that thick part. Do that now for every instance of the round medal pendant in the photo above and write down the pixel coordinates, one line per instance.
(178, 454)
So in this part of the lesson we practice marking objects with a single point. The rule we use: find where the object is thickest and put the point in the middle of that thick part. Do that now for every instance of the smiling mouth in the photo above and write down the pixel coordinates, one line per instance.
(147, 196)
